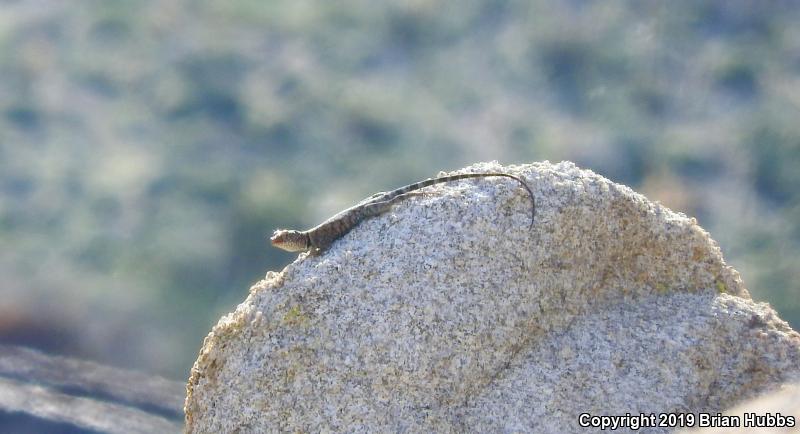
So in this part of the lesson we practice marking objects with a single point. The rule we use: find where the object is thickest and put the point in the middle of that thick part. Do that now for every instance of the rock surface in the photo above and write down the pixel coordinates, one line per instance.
(448, 314)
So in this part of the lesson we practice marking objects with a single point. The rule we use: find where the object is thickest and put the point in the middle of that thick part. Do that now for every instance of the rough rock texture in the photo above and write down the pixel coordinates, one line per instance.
(449, 314)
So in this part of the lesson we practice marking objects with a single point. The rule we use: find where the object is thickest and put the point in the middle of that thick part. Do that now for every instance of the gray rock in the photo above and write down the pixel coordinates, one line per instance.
(449, 314)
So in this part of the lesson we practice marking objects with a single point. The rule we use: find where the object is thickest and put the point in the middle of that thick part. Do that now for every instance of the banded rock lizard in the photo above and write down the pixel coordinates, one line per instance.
(323, 235)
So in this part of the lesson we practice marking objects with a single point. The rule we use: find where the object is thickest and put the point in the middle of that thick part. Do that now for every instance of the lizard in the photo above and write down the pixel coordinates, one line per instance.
(323, 235)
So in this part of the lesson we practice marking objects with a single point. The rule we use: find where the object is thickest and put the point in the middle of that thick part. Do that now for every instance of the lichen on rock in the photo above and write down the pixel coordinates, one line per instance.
(449, 314)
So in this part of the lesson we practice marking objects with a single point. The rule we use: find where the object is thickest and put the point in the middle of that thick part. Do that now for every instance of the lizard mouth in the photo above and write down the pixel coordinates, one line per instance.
(278, 237)
(291, 241)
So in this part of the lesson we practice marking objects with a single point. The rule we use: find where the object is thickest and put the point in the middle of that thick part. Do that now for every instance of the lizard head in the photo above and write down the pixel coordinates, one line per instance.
(290, 240)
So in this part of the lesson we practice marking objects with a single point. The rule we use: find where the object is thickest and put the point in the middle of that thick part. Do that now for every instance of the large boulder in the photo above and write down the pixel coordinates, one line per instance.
(450, 314)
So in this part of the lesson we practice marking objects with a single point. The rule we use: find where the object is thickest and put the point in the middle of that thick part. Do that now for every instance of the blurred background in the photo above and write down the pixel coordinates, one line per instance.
(149, 148)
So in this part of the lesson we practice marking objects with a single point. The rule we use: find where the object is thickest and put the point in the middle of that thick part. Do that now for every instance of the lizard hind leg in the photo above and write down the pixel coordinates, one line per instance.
(377, 208)
(412, 193)
(372, 198)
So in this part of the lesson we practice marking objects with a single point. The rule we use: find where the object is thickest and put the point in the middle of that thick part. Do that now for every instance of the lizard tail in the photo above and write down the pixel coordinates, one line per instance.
(442, 179)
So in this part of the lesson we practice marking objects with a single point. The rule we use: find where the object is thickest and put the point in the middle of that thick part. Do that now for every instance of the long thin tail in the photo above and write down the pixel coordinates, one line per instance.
(432, 181)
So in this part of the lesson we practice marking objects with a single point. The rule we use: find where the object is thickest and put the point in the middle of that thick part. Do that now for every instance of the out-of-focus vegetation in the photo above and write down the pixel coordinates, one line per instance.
(148, 148)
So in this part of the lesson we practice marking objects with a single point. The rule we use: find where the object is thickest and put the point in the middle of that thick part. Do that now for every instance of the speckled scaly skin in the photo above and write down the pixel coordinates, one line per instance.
(323, 235)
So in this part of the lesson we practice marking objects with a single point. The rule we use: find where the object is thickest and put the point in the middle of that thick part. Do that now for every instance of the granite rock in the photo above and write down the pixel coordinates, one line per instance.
(450, 314)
